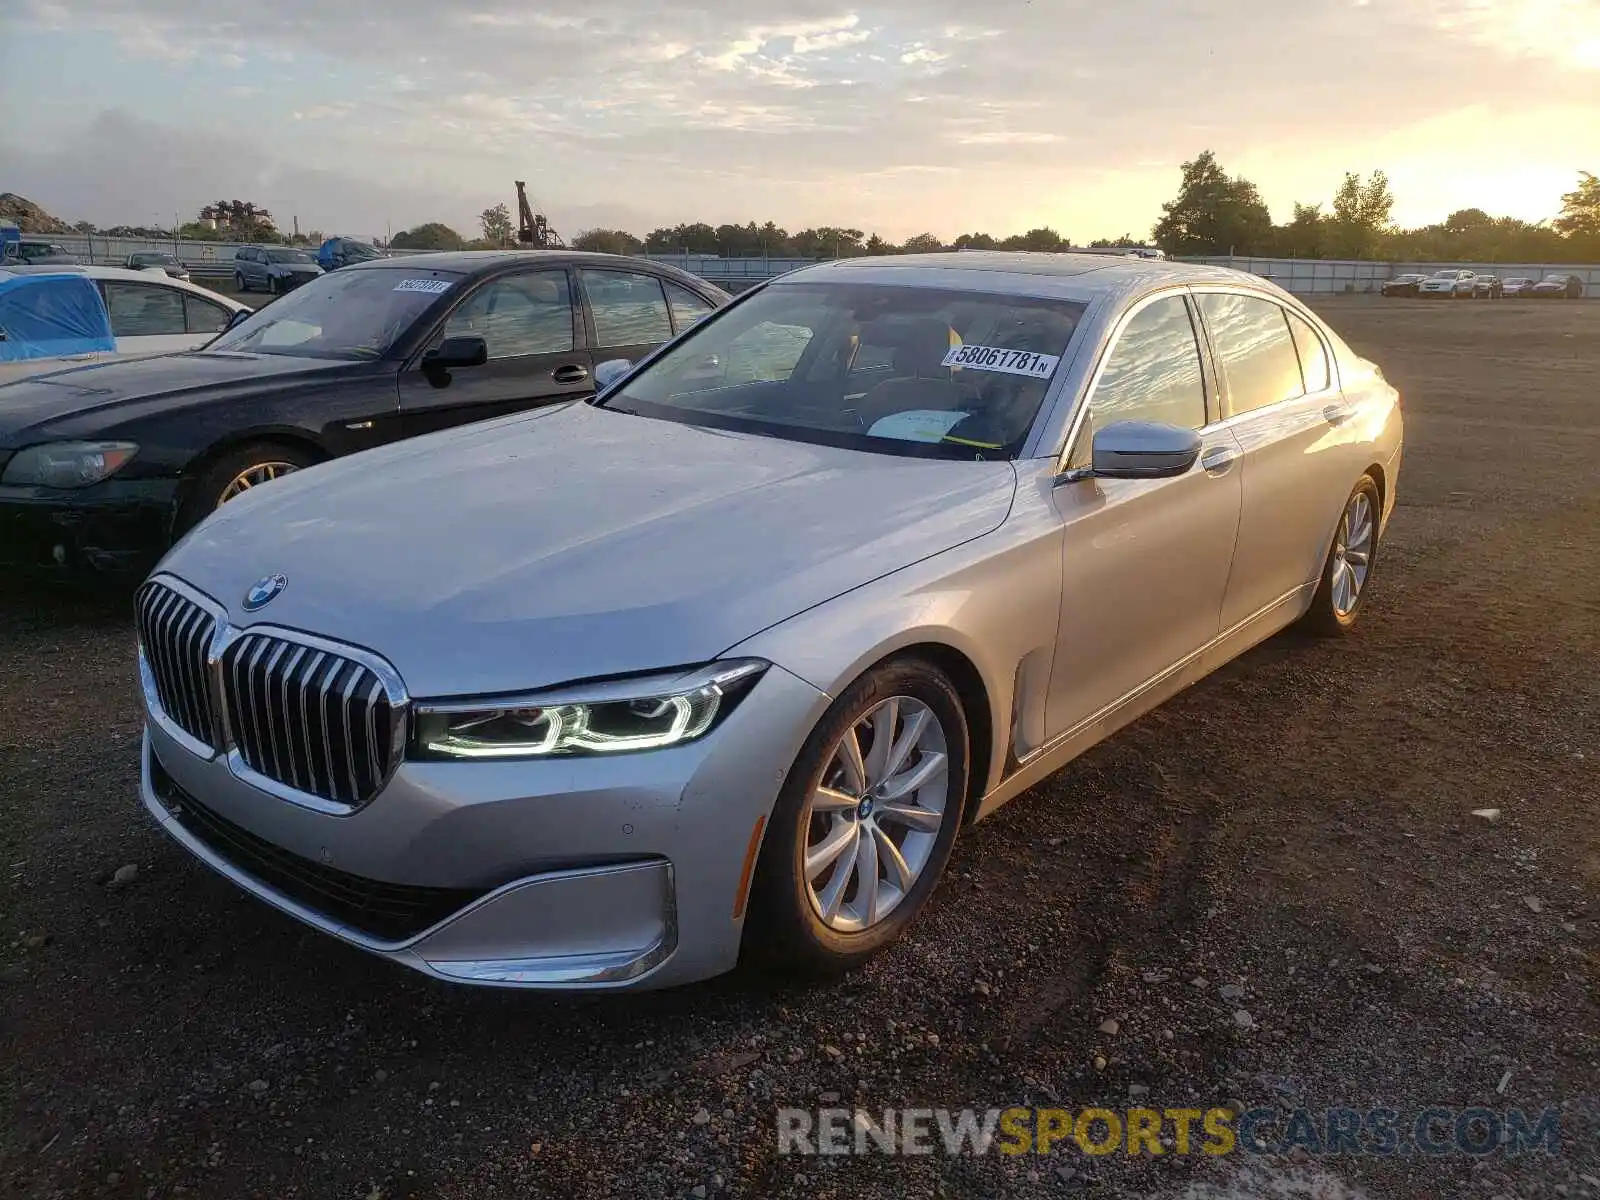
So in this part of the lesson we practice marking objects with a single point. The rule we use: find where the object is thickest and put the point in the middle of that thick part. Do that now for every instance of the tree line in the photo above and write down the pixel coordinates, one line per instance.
(1218, 213)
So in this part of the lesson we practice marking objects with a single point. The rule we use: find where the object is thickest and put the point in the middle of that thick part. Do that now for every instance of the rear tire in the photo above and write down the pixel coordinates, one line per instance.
(898, 716)
(235, 472)
(1347, 570)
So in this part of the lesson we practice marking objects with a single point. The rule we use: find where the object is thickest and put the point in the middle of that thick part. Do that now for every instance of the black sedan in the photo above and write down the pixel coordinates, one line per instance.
(1402, 285)
(1558, 287)
(104, 466)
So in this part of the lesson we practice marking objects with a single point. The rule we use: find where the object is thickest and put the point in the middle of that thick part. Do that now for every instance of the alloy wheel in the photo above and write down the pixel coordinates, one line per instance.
(1352, 554)
(253, 476)
(873, 820)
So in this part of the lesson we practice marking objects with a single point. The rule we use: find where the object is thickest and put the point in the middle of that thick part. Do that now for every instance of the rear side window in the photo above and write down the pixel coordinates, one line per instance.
(1252, 340)
(1153, 373)
(1313, 355)
(687, 308)
(140, 310)
(202, 316)
(629, 309)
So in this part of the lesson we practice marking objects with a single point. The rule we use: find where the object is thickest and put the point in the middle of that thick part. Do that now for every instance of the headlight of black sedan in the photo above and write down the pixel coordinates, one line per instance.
(610, 717)
(67, 464)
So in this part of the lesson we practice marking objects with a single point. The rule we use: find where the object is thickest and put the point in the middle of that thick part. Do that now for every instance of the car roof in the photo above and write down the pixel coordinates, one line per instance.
(1023, 273)
(147, 277)
(475, 262)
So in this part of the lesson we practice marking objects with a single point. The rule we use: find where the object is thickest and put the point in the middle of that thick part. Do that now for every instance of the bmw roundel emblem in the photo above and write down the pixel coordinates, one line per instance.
(264, 591)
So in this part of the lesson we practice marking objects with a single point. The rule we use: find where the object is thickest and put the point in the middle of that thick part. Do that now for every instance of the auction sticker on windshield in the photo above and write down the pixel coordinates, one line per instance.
(994, 358)
(432, 286)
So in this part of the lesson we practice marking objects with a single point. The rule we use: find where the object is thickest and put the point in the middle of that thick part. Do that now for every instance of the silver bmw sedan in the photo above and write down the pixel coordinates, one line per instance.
(606, 694)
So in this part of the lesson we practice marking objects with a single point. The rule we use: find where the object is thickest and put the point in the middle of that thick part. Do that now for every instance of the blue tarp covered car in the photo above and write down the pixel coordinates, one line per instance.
(48, 316)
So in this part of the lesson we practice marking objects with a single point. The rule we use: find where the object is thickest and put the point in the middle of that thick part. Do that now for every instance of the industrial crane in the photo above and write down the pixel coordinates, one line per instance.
(532, 228)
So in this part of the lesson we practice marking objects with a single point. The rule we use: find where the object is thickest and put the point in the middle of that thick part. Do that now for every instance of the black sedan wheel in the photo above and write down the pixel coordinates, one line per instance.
(238, 472)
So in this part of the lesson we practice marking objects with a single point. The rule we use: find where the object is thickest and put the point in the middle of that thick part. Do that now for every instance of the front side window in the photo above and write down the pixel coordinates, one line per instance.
(518, 315)
(348, 314)
(1257, 354)
(1153, 372)
(962, 374)
(629, 309)
(143, 310)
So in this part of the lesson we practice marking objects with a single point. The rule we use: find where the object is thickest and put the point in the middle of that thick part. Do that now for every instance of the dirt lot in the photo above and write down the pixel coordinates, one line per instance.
(1297, 829)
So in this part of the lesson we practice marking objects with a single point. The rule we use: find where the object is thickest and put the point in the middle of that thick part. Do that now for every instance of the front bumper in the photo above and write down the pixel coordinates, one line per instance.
(118, 526)
(574, 873)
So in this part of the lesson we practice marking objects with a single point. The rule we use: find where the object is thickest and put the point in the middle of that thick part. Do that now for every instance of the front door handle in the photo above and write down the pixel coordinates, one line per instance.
(1335, 414)
(571, 373)
(1218, 460)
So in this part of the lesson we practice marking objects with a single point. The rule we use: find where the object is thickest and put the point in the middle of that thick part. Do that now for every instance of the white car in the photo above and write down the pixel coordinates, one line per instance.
(1451, 283)
(149, 312)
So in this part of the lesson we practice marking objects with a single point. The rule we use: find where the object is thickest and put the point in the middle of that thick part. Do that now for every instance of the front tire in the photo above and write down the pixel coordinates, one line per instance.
(1348, 567)
(237, 472)
(239, 283)
(865, 822)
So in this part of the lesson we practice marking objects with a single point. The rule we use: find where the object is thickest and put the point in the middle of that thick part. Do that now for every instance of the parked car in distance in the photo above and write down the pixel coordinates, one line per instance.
(1487, 287)
(157, 260)
(1402, 285)
(275, 269)
(594, 697)
(1452, 283)
(122, 312)
(338, 252)
(1516, 286)
(31, 252)
(369, 354)
(1559, 287)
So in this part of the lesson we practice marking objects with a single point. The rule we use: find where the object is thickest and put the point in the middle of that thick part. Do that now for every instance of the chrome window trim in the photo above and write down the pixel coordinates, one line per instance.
(223, 743)
(1081, 401)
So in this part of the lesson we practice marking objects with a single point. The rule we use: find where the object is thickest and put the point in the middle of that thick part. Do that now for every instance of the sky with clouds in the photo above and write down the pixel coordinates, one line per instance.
(890, 115)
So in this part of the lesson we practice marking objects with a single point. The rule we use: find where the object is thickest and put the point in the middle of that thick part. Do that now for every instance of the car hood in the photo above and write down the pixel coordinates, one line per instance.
(578, 542)
(100, 388)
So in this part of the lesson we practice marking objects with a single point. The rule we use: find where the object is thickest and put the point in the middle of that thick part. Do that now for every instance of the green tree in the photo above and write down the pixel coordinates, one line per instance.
(1305, 235)
(432, 235)
(698, 238)
(607, 241)
(1580, 213)
(496, 225)
(828, 241)
(1041, 239)
(1213, 213)
(1361, 220)
(876, 245)
(923, 243)
(975, 241)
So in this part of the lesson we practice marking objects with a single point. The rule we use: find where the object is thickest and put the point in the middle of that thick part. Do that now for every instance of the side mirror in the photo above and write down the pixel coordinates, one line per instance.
(610, 371)
(1144, 450)
(238, 319)
(468, 350)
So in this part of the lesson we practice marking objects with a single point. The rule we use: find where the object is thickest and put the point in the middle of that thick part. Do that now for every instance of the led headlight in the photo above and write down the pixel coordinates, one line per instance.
(611, 717)
(67, 464)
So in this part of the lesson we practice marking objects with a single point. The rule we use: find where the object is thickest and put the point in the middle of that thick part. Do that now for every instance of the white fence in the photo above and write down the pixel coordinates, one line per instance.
(1305, 276)
(1316, 276)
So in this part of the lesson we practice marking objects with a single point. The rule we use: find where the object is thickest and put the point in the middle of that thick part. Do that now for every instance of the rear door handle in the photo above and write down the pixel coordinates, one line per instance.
(571, 373)
(1218, 460)
(1335, 414)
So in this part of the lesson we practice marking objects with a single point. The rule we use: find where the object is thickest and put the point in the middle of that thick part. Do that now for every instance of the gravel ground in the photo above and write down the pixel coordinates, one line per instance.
(1293, 840)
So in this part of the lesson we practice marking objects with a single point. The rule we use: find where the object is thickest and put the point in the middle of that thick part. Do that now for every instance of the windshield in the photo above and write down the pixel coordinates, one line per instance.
(153, 260)
(348, 314)
(897, 370)
(1445, 274)
(288, 256)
